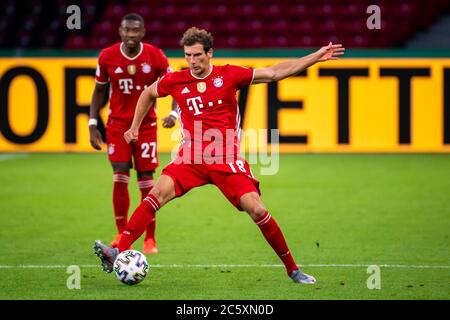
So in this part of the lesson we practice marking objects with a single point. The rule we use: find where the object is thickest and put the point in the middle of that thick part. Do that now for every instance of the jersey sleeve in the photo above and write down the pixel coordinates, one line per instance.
(243, 76)
(101, 73)
(163, 85)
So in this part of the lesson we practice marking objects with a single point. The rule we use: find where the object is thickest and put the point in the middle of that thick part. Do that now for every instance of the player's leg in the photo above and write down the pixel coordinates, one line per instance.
(163, 192)
(145, 182)
(119, 155)
(252, 204)
(237, 183)
(146, 161)
(120, 197)
(175, 180)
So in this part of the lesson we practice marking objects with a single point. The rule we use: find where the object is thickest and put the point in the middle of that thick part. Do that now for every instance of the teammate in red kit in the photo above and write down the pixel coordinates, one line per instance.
(206, 97)
(130, 67)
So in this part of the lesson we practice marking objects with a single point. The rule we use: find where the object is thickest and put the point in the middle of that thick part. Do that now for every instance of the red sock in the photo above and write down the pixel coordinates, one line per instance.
(121, 199)
(139, 221)
(272, 232)
(145, 185)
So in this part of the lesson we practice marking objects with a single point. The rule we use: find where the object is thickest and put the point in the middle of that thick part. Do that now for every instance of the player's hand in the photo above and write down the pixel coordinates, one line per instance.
(95, 138)
(330, 52)
(131, 135)
(169, 122)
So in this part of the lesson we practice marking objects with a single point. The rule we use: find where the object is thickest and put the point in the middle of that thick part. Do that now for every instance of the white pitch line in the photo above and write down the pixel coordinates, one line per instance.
(9, 156)
(56, 266)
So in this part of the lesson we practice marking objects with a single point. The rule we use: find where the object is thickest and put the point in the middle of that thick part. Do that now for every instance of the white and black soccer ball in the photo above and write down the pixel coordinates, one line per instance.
(131, 267)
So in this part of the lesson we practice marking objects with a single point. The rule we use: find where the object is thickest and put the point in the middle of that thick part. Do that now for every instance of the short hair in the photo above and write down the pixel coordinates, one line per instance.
(194, 35)
(133, 17)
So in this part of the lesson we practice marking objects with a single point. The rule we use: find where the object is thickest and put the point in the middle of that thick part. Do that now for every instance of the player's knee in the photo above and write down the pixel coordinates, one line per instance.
(256, 211)
(120, 166)
(157, 193)
(163, 196)
(251, 203)
(164, 190)
(145, 174)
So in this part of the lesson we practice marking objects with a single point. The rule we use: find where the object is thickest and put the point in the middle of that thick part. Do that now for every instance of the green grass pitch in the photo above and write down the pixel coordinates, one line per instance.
(339, 214)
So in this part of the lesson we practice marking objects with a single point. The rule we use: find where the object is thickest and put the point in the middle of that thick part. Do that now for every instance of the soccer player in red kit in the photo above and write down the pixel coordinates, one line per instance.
(206, 97)
(130, 67)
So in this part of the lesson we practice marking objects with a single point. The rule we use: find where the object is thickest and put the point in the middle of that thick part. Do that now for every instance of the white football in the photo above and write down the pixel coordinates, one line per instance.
(131, 267)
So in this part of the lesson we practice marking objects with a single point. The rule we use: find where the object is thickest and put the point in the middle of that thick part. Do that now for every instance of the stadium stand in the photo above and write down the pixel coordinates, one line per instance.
(237, 25)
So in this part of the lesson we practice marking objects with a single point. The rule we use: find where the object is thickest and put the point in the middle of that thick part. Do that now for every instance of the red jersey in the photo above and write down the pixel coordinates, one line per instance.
(208, 107)
(128, 77)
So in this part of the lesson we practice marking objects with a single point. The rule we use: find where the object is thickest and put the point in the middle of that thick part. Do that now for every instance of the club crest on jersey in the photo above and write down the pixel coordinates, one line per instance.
(201, 87)
(131, 69)
(146, 68)
(218, 82)
(111, 148)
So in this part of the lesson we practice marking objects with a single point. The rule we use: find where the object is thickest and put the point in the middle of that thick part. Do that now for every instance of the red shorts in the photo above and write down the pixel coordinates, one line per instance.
(143, 151)
(233, 179)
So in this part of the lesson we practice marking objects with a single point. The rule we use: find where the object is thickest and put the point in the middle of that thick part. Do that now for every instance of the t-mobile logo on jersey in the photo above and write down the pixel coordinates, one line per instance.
(126, 85)
(193, 105)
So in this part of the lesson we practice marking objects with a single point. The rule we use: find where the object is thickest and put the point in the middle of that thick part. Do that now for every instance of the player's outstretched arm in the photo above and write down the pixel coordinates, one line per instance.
(98, 96)
(289, 68)
(145, 101)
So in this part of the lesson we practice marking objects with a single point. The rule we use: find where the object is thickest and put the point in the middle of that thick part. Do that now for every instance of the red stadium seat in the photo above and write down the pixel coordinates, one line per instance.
(142, 9)
(102, 42)
(230, 27)
(234, 23)
(256, 42)
(274, 10)
(280, 26)
(114, 12)
(105, 27)
(205, 24)
(247, 11)
(75, 42)
(166, 13)
(154, 40)
(49, 39)
(303, 27)
(233, 42)
(297, 13)
(154, 27)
